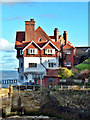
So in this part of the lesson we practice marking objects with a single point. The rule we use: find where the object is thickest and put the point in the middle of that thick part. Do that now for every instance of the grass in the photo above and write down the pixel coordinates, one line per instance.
(87, 61)
(84, 65)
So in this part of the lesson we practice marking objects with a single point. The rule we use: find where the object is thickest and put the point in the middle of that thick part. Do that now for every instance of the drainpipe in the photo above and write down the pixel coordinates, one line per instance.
(61, 51)
(41, 61)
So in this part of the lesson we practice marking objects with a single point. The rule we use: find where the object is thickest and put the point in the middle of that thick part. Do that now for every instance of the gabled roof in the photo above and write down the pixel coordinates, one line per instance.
(68, 46)
(51, 43)
(40, 29)
(52, 37)
(41, 44)
(31, 43)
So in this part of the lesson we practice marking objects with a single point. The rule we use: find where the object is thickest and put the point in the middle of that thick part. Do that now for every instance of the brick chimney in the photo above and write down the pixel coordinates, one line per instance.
(29, 29)
(56, 34)
(65, 36)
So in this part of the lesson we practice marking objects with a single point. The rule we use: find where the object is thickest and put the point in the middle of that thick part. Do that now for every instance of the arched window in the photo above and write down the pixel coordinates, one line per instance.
(40, 39)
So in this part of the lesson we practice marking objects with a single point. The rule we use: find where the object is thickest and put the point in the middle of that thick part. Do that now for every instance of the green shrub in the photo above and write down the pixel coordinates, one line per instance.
(65, 73)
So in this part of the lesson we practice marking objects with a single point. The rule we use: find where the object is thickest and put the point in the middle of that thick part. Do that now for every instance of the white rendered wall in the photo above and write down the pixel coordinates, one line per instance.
(39, 68)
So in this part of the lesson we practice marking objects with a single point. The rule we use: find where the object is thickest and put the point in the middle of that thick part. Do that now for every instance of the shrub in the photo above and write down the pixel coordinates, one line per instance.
(65, 73)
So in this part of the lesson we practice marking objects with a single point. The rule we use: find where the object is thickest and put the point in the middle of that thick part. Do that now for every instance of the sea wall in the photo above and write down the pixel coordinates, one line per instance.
(62, 104)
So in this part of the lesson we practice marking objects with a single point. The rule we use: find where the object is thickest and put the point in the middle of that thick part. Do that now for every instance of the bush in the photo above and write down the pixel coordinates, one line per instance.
(65, 73)
(83, 74)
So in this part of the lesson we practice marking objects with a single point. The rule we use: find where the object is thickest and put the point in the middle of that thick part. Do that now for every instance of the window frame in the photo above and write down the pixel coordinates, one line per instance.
(21, 52)
(68, 52)
(51, 64)
(40, 39)
(31, 65)
(68, 64)
(49, 51)
(32, 51)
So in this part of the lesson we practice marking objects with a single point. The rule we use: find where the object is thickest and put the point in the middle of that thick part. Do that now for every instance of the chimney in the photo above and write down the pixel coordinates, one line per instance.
(56, 34)
(65, 36)
(29, 29)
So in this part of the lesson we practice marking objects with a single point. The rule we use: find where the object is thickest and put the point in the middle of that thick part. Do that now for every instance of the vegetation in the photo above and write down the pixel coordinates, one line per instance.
(65, 73)
(84, 65)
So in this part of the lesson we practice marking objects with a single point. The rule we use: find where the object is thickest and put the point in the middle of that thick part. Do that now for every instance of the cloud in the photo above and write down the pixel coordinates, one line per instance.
(16, 18)
(5, 45)
(8, 60)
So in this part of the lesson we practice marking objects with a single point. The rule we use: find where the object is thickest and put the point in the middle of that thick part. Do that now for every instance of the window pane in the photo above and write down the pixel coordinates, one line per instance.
(32, 64)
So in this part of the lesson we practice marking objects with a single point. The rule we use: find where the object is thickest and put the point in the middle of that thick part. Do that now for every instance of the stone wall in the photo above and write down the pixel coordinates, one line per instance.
(61, 104)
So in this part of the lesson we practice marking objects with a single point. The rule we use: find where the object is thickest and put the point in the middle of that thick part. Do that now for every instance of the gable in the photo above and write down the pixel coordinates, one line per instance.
(67, 46)
(32, 45)
(50, 45)
(41, 31)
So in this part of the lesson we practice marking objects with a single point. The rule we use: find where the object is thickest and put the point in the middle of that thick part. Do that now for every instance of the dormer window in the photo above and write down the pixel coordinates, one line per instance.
(31, 51)
(49, 51)
(40, 39)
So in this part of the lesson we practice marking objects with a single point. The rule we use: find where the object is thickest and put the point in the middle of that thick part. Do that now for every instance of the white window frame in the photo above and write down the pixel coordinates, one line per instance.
(49, 51)
(40, 39)
(54, 64)
(67, 63)
(21, 52)
(67, 52)
(32, 51)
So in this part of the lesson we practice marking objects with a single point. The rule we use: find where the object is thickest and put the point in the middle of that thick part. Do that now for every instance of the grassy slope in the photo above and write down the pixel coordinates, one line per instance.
(84, 65)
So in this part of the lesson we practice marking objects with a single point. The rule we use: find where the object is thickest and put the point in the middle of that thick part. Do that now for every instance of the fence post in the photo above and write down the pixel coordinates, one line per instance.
(68, 87)
(83, 87)
(61, 87)
(10, 90)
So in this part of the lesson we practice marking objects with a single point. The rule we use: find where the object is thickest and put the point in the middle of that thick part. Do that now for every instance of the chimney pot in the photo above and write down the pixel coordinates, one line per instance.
(32, 19)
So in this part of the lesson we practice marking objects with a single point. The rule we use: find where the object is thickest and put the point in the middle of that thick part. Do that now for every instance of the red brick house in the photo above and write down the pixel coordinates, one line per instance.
(40, 55)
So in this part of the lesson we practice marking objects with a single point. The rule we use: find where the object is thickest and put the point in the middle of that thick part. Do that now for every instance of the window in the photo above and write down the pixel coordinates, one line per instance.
(40, 39)
(51, 64)
(21, 77)
(68, 52)
(37, 76)
(67, 63)
(21, 52)
(47, 40)
(49, 51)
(32, 64)
(31, 51)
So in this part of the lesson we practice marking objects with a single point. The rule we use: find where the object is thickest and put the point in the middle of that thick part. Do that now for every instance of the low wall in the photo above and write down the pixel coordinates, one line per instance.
(63, 103)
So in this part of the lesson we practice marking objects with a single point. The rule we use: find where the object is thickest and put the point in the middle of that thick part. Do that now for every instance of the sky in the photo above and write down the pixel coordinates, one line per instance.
(66, 16)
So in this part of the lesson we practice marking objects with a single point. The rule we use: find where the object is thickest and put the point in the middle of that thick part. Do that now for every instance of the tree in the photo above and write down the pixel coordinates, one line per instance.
(65, 73)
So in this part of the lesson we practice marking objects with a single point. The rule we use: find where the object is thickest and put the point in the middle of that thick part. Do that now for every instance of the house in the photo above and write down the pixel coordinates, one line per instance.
(40, 54)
